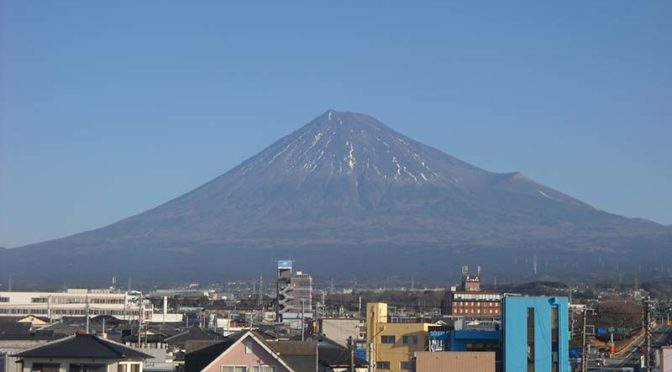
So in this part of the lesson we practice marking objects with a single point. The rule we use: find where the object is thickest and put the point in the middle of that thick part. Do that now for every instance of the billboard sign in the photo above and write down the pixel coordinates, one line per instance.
(285, 265)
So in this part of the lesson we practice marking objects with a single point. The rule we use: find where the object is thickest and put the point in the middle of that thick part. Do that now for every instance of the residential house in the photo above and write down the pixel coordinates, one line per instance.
(81, 353)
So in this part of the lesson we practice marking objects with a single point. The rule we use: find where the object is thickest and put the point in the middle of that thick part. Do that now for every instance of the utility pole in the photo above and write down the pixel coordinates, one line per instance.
(584, 344)
(86, 299)
(261, 292)
(359, 308)
(646, 323)
(371, 362)
(49, 308)
(303, 325)
(140, 315)
(351, 351)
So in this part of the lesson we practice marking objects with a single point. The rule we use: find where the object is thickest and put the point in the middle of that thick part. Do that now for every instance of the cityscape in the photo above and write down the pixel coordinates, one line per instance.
(292, 323)
(257, 186)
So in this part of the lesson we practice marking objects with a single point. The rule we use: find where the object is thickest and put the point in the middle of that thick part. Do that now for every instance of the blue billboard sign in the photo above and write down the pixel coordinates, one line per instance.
(285, 265)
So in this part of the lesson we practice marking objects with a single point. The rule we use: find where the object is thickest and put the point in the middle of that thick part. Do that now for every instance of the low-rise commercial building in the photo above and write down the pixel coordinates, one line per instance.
(73, 303)
(391, 346)
(470, 300)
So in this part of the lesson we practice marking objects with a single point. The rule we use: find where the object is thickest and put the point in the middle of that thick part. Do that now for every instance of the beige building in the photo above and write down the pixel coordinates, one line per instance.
(458, 361)
(391, 346)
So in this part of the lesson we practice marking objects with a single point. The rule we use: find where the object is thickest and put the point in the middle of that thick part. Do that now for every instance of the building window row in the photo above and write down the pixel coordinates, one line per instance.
(264, 368)
(477, 296)
(481, 304)
(476, 311)
(387, 339)
(383, 365)
(83, 300)
(409, 340)
(28, 311)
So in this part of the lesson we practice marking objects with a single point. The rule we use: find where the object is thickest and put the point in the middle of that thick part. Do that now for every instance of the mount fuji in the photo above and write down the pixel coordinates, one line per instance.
(346, 195)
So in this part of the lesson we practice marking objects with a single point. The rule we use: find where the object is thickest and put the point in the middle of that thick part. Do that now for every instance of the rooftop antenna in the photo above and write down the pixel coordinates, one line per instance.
(478, 271)
(465, 270)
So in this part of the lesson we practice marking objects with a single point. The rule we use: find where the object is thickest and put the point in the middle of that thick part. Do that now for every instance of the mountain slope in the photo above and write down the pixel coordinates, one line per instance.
(347, 182)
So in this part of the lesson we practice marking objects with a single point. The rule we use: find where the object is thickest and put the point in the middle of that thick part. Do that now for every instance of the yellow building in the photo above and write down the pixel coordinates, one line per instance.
(391, 345)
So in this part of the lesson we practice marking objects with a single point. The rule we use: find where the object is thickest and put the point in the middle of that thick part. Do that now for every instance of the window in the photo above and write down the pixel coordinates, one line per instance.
(263, 369)
(248, 349)
(4, 299)
(234, 369)
(128, 367)
(408, 365)
(39, 300)
(555, 341)
(410, 340)
(88, 367)
(382, 365)
(387, 339)
(530, 339)
(45, 367)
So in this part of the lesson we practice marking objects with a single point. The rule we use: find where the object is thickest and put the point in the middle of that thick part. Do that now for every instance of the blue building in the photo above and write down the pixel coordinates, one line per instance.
(464, 340)
(535, 334)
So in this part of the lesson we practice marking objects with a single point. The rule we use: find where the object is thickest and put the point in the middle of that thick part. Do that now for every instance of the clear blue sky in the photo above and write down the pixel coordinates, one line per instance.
(108, 108)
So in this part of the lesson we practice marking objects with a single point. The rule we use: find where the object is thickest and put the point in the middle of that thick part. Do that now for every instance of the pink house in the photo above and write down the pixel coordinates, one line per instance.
(250, 352)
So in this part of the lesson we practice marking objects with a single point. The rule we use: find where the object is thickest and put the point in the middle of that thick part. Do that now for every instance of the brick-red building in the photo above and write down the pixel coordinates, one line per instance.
(469, 300)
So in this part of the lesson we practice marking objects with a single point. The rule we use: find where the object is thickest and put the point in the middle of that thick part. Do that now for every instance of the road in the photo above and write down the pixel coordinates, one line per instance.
(662, 335)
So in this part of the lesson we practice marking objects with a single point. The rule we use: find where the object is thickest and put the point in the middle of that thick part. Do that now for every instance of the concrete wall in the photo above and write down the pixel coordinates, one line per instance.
(448, 361)
(666, 359)
(340, 329)
(514, 326)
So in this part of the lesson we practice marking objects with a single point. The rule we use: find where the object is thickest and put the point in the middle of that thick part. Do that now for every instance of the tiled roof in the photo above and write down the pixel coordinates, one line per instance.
(193, 334)
(198, 359)
(83, 346)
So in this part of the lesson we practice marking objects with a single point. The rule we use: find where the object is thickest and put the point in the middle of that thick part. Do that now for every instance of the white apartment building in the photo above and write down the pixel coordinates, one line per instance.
(75, 303)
